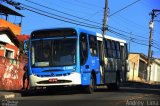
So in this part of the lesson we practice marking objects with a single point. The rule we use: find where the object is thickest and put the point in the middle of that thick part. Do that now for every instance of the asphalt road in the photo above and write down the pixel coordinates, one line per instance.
(134, 95)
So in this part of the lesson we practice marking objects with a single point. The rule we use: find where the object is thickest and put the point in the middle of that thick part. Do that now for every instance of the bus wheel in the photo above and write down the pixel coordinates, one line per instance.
(90, 88)
(114, 86)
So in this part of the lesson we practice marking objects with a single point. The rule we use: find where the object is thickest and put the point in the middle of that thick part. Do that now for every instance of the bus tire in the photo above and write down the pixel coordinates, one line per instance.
(114, 86)
(91, 87)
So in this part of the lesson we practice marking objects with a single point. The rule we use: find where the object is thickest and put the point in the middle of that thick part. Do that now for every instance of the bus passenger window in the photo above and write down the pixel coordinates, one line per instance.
(93, 45)
(126, 51)
(114, 49)
(83, 48)
(105, 49)
(109, 49)
(118, 50)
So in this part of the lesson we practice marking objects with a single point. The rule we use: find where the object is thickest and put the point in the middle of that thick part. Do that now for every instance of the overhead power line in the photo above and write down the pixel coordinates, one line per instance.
(85, 25)
(123, 8)
(62, 12)
(59, 16)
(126, 37)
(79, 5)
(118, 32)
(134, 40)
(51, 15)
(128, 32)
(142, 37)
(88, 4)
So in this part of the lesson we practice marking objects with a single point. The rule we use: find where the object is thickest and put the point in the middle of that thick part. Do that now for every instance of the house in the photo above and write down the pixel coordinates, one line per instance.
(9, 44)
(138, 69)
(22, 38)
(138, 65)
(7, 13)
(12, 62)
(155, 71)
(10, 38)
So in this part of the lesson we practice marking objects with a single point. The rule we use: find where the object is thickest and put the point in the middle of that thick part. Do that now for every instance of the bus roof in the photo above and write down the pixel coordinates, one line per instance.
(112, 38)
(83, 30)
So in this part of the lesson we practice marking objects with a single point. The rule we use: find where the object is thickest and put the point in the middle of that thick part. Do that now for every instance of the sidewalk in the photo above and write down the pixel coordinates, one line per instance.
(141, 85)
(9, 94)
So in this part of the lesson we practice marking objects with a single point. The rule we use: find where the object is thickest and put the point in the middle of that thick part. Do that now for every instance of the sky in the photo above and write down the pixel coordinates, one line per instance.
(130, 24)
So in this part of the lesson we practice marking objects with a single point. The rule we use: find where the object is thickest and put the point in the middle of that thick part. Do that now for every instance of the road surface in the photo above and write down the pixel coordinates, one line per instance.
(130, 95)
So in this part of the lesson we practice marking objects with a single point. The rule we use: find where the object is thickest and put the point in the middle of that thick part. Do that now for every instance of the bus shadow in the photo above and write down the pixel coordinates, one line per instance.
(53, 92)
(78, 90)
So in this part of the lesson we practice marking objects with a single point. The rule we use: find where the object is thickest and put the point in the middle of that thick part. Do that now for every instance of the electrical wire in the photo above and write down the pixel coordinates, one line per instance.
(89, 26)
(123, 8)
(88, 4)
(133, 34)
(68, 20)
(62, 12)
(59, 16)
(125, 37)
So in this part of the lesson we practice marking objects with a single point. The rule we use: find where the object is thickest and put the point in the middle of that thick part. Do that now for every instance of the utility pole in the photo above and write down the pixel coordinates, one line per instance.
(150, 41)
(104, 28)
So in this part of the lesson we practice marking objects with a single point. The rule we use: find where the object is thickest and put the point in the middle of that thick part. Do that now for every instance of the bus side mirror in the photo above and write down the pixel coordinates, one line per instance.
(26, 46)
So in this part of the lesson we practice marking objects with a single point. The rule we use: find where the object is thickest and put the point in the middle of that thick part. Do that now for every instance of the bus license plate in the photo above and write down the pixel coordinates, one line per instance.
(53, 80)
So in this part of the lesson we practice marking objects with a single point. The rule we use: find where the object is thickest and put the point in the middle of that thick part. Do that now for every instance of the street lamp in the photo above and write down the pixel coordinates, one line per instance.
(151, 25)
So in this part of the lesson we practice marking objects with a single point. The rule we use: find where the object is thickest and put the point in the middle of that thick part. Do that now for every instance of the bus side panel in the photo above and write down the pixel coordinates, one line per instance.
(112, 61)
(86, 78)
(91, 65)
(110, 77)
(98, 78)
(86, 73)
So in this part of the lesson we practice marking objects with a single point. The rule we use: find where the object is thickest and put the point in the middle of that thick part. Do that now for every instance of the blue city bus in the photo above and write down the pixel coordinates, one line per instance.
(75, 57)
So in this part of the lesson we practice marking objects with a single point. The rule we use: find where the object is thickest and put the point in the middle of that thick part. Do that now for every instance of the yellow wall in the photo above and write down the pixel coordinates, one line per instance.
(134, 59)
(15, 28)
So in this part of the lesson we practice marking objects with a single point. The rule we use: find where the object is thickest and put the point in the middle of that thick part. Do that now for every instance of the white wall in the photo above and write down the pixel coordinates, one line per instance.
(4, 38)
(155, 72)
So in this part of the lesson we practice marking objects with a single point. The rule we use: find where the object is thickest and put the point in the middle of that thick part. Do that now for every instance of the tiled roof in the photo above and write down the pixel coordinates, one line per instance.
(22, 38)
(11, 35)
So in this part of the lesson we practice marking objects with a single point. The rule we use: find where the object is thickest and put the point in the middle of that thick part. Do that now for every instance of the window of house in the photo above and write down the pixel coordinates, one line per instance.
(142, 68)
(2, 47)
(9, 54)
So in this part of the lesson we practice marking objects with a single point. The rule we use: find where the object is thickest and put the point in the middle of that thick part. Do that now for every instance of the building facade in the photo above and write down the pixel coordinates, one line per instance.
(9, 45)
(138, 66)
(155, 71)
(11, 41)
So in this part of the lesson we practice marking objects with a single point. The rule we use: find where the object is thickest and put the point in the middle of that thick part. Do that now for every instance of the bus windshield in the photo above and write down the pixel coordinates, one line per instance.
(53, 52)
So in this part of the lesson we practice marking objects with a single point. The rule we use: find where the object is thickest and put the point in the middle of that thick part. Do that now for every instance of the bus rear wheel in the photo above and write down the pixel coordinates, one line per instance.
(114, 86)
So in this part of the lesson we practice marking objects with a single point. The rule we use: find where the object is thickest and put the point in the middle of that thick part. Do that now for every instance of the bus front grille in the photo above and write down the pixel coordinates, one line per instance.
(56, 82)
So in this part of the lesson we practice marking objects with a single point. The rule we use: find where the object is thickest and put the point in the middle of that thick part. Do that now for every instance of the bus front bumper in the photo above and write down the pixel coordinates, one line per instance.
(72, 79)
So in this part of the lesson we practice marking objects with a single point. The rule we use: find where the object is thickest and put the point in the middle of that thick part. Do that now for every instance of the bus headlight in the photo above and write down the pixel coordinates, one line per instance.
(74, 70)
(35, 74)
